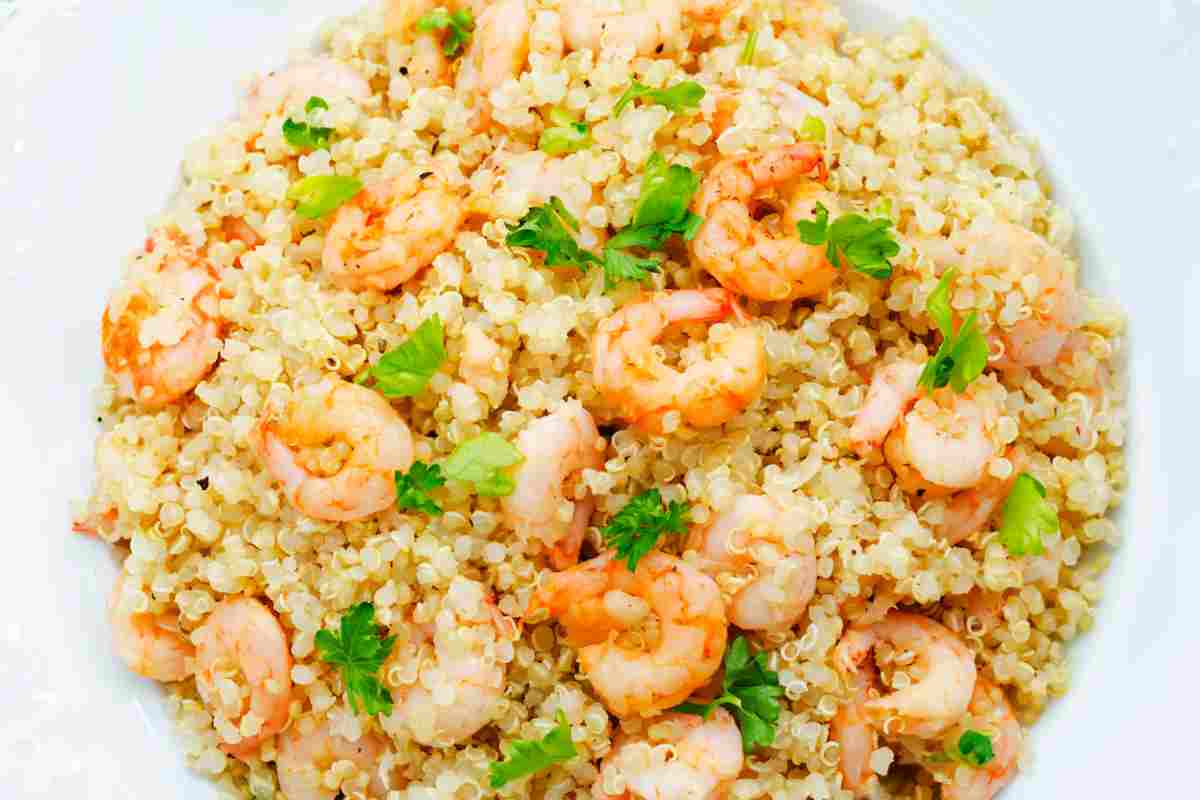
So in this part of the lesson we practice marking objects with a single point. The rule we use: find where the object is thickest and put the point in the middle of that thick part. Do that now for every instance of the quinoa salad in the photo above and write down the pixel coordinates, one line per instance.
(608, 399)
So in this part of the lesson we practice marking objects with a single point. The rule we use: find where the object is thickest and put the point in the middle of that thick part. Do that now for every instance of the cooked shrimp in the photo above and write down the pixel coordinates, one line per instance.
(642, 389)
(968, 511)
(309, 749)
(754, 536)
(856, 739)
(150, 644)
(1055, 311)
(748, 256)
(390, 231)
(944, 443)
(989, 713)
(940, 690)
(161, 332)
(556, 448)
(892, 392)
(645, 671)
(499, 47)
(460, 675)
(484, 364)
(353, 418)
(599, 25)
(242, 652)
(679, 757)
(318, 77)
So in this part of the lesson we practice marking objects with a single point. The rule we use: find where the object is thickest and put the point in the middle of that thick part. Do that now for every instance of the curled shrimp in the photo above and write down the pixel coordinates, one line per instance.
(678, 756)
(990, 714)
(309, 749)
(459, 670)
(943, 444)
(499, 47)
(151, 645)
(969, 511)
(935, 699)
(390, 231)
(318, 77)
(161, 332)
(350, 480)
(600, 25)
(642, 389)
(651, 667)
(892, 392)
(556, 448)
(242, 653)
(754, 540)
(748, 256)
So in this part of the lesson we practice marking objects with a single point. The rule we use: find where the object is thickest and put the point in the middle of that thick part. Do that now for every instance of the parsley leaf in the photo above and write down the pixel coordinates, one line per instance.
(550, 228)
(751, 691)
(304, 136)
(622, 266)
(747, 56)
(865, 243)
(407, 370)
(812, 130)
(636, 528)
(962, 356)
(359, 650)
(482, 461)
(687, 94)
(460, 23)
(534, 755)
(318, 195)
(565, 135)
(975, 748)
(1026, 516)
(413, 488)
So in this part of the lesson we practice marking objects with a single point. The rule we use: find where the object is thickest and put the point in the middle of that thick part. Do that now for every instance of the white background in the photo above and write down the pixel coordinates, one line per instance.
(98, 99)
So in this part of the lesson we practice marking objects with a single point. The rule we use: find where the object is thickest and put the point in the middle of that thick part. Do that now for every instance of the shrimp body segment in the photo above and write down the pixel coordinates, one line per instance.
(498, 49)
(390, 231)
(746, 255)
(318, 77)
(989, 713)
(642, 389)
(892, 392)
(150, 645)
(943, 444)
(600, 25)
(644, 672)
(753, 536)
(161, 332)
(307, 751)
(335, 411)
(244, 673)
(679, 756)
(556, 448)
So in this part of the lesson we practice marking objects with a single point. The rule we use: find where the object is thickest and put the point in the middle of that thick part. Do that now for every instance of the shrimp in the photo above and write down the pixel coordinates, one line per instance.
(679, 756)
(1056, 309)
(498, 49)
(645, 671)
(934, 701)
(484, 364)
(557, 448)
(428, 65)
(459, 669)
(944, 443)
(643, 389)
(968, 511)
(755, 535)
(390, 231)
(318, 77)
(151, 645)
(600, 25)
(161, 332)
(358, 420)
(892, 392)
(242, 652)
(309, 749)
(989, 713)
(746, 255)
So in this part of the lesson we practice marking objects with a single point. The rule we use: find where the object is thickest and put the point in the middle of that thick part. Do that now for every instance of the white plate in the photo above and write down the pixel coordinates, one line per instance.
(98, 99)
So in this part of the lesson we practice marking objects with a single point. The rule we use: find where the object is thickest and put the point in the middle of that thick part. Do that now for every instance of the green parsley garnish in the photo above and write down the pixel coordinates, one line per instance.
(359, 650)
(305, 136)
(747, 56)
(636, 528)
(812, 130)
(565, 136)
(550, 228)
(482, 461)
(318, 195)
(1026, 517)
(534, 755)
(975, 748)
(864, 243)
(413, 488)
(460, 23)
(751, 691)
(687, 94)
(407, 370)
(962, 356)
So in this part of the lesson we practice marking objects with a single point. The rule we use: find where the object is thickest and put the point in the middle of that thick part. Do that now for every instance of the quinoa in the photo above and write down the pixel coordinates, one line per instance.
(198, 518)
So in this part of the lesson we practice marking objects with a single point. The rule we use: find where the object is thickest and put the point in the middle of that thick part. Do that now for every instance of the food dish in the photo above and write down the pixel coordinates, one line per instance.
(631, 411)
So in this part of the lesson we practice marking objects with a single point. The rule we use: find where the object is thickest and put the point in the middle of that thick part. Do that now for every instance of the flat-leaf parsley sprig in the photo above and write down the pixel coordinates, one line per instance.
(679, 97)
(534, 755)
(1026, 517)
(636, 529)
(358, 649)
(865, 244)
(406, 370)
(751, 691)
(460, 24)
(482, 462)
(551, 229)
(304, 135)
(962, 355)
